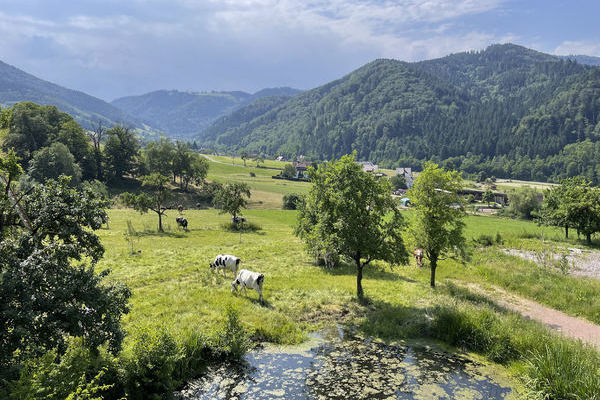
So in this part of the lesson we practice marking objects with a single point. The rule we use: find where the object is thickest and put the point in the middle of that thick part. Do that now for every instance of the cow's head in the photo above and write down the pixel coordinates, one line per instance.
(212, 265)
(234, 286)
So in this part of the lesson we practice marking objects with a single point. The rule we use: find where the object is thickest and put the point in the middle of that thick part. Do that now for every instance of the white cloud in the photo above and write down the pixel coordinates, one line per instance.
(568, 48)
(236, 44)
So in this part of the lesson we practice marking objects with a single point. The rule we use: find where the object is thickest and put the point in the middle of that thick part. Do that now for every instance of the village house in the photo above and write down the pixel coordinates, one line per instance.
(408, 176)
(301, 168)
(368, 166)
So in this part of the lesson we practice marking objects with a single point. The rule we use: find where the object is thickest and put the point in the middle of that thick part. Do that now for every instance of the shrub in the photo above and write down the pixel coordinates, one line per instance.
(252, 174)
(149, 368)
(234, 340)
(563, 370)
(488, 240)
(241, 227)
(197, 351)
(291, 201)
(79, 372)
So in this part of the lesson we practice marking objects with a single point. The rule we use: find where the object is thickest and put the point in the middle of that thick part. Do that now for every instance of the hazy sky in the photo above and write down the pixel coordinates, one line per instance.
(113, 48)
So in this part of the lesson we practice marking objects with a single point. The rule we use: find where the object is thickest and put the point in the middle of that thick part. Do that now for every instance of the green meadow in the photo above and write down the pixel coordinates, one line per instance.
(174, 288)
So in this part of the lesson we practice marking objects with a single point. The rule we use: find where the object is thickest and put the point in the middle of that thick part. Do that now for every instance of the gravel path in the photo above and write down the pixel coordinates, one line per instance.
(569, 326)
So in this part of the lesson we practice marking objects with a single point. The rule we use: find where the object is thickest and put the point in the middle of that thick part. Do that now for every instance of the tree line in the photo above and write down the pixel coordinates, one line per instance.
(50, 143)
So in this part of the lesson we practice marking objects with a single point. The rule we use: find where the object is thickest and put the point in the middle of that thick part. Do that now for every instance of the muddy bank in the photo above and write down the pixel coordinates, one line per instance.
(339, 365)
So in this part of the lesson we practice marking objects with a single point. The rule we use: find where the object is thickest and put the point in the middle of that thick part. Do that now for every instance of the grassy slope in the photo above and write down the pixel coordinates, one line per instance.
(174, 287)
(267, 193)
(172, 283)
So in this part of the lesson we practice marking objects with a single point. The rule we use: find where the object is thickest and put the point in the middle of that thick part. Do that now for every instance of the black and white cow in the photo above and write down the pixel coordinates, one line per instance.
(248, 279)
(224, 262)
(182, 222)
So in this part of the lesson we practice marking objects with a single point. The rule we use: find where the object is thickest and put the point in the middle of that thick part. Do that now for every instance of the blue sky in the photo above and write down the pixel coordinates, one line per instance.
(113, 48)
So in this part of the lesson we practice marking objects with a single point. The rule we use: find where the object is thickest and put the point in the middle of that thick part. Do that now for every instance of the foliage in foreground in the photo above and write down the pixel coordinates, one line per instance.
(153, 366)
(49, 288)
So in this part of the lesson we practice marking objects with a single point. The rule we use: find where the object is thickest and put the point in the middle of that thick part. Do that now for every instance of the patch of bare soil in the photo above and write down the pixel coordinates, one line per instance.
(581, 262)
(567, 325)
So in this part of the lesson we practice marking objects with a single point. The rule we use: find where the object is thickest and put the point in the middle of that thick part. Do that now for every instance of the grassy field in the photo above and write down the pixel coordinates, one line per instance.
(174, 288)
(172, 283)
(267, 193)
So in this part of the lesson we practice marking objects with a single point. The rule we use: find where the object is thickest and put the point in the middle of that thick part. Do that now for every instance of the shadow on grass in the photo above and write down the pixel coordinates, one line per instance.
(463, 293)
(369, 271)
(161, 234)
(393, 321)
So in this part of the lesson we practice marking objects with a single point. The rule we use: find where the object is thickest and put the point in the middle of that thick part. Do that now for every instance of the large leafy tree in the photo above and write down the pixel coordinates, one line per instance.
(349, 213)
(49, 289)
(159, 156)
(556, 209)
(195, 171)
(32, 126)
(159, 194)
(438, 222)
(120, 152)
(232, 198)
(72, 135)
(52, 161)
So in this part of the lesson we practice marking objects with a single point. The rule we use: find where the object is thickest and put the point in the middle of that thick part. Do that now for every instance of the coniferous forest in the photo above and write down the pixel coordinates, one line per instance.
(509, 111)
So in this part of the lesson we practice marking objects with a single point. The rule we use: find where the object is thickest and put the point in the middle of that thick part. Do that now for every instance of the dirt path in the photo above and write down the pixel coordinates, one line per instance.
(569, 326)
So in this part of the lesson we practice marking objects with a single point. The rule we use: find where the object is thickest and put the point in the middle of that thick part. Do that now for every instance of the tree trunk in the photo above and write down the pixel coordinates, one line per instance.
(567, 231)
(359, 290)
(588, 238)
(160, 228)
(433, 262)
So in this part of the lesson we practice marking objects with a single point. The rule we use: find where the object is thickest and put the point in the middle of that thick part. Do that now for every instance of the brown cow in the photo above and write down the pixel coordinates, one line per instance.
(418, 253)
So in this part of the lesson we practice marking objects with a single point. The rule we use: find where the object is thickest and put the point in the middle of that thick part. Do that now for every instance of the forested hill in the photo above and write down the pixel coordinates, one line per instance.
(17, 86)
(181, 114)
(507, 110)
(581, 59)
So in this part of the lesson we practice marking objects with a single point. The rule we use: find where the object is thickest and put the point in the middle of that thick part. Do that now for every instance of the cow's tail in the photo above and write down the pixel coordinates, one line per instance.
(260, 280)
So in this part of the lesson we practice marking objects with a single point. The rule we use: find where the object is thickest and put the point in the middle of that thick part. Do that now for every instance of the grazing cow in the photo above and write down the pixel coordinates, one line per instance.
(224, 262)
(418, 253)
(182, 222)
(248, 279)
(237, 220)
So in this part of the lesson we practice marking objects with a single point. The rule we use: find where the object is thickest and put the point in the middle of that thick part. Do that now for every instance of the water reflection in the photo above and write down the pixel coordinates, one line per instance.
(342, 366)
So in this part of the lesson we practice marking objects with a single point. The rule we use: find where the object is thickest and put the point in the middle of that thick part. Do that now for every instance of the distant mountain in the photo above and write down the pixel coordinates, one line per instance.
(17, 86)
(507, 110)
(581, 59)
(182, 114)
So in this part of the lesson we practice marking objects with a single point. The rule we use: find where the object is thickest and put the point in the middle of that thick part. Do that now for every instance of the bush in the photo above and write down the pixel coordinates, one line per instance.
(291, 201)
(77, 374)
(562, 370)
(197, 352)
(488, 240)
(523, 203)
(149, 368)
(241, 227)
(234, 340)
(252, 174)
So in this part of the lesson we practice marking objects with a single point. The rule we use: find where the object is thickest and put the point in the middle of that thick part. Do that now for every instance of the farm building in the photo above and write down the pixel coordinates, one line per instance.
(408, 176)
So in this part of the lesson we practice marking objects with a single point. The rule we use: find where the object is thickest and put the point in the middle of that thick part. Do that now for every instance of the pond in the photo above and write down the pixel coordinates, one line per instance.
(338, 365)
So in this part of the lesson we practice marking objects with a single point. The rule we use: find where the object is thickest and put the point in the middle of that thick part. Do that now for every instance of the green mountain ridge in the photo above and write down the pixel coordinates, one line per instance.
(17, 85)
(507, 110)
(182, 114)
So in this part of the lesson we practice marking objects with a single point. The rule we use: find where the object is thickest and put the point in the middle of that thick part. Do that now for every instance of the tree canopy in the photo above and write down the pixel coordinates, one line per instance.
(438, 224)
(351, 214)
(155, 200)
(49, 289)
(232, 198)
